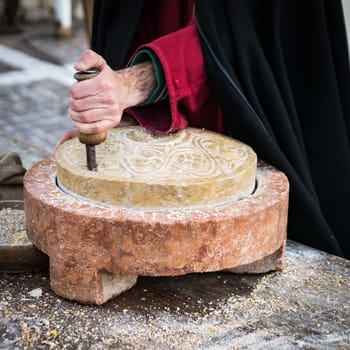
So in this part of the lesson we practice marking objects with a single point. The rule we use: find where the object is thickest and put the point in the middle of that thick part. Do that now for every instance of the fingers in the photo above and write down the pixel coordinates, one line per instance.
(94, 115)
(90, 59)
(86, 88)
(102, 85)
(82, 99)
(93, 109)
(95, 120)
(86, 103)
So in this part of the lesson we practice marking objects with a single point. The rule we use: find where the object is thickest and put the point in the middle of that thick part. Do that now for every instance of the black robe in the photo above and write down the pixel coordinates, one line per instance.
(280, 71)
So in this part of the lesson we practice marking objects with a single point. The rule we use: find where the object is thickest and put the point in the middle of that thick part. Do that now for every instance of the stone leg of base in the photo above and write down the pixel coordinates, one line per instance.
(87, 285)
(272, 262)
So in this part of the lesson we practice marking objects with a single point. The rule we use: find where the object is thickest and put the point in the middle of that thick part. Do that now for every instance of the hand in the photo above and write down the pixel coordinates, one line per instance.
(97, 104)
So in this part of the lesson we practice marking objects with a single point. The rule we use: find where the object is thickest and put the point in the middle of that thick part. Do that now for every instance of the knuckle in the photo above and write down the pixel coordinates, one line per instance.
(84, 117)
(109, 98)
(72, 91)
(74, 104)
(104, 85)
(89, 54)
(95, 129)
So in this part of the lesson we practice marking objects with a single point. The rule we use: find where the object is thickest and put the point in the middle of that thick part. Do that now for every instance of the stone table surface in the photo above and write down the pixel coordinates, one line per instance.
(305, 307)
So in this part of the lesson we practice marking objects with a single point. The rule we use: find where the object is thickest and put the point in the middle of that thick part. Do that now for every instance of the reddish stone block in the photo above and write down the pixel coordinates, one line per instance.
(97, 252)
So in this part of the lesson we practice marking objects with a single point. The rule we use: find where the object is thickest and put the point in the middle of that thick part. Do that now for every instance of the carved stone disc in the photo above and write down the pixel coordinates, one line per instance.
(190, 168)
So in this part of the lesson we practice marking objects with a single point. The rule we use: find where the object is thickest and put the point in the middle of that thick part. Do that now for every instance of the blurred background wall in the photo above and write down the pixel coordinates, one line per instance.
(63, 13)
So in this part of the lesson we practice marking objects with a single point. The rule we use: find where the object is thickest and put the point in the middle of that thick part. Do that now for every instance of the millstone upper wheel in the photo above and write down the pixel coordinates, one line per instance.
(190, 168)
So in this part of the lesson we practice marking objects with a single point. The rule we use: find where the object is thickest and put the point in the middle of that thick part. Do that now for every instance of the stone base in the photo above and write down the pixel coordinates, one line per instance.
(272, 262)
(97, 252)
(86, 284)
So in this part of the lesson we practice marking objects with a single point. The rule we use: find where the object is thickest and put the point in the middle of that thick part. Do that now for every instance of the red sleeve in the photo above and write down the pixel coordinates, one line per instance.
(190, 101)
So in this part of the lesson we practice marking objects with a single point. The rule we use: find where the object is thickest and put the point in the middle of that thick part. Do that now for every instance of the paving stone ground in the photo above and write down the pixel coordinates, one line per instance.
(36, 112)
(36, 70)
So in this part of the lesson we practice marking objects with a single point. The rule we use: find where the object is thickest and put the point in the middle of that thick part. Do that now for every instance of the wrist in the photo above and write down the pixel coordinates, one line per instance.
(160, 92)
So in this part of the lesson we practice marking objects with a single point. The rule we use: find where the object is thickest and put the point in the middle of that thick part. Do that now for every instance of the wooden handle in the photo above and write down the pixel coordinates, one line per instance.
(92, 139)
(89, 139)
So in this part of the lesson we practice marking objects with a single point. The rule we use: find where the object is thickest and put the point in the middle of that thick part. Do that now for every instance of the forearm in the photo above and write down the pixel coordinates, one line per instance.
(190, 100)
(140, 82)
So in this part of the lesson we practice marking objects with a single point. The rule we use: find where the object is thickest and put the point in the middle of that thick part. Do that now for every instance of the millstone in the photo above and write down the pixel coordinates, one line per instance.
(97, 249)
(190, 168)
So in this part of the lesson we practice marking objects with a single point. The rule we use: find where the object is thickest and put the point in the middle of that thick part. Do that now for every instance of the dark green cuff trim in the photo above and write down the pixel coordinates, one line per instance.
(147, 54)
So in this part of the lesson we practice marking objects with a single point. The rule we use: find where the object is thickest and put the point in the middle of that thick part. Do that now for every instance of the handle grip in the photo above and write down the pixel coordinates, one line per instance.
(89, 139)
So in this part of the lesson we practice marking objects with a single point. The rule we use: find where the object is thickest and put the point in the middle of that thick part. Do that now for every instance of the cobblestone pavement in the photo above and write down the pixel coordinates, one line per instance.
(36, 70)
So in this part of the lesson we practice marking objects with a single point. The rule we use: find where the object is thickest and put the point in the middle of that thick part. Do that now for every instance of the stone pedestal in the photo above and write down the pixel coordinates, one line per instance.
(97, 250)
